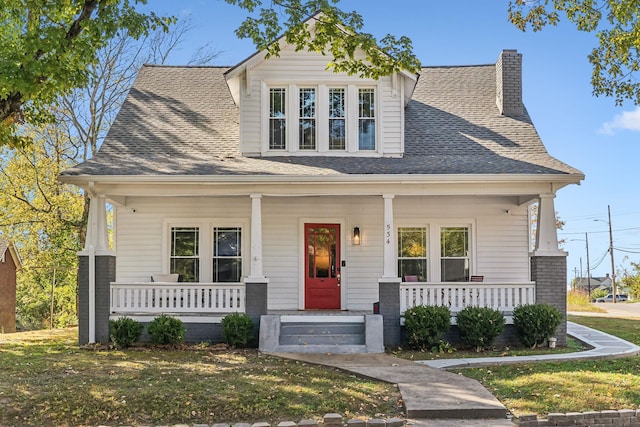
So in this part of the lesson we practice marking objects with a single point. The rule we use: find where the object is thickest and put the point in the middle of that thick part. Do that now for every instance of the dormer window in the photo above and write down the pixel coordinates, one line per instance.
(277, 119)
(330, 120)
(307, 136)
(337, 119)
(366, 119)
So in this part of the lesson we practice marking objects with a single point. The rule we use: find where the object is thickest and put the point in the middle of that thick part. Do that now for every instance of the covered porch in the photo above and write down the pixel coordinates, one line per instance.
(209, 302)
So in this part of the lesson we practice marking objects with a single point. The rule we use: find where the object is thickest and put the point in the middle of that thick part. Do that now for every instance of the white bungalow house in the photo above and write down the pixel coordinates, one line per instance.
(307, 198)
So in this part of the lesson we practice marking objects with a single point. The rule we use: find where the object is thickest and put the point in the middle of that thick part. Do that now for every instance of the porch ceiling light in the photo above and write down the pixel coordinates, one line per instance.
(356, 235)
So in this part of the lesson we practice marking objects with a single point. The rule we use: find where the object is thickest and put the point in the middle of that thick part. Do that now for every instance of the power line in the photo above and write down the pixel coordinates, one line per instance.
(598, 232)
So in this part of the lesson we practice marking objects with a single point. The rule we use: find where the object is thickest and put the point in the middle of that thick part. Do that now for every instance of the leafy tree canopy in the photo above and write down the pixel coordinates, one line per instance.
(47, 47)
(616, 59)
(330, 31)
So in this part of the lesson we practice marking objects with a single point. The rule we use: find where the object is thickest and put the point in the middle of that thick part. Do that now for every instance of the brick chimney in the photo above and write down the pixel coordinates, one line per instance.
(509, 83)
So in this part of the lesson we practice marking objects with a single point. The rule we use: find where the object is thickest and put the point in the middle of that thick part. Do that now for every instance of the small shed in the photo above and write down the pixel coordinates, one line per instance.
(10, 264)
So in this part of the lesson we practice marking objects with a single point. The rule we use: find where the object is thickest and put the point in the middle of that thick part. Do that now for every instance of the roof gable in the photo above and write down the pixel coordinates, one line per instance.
(8, 247)
(239, 74)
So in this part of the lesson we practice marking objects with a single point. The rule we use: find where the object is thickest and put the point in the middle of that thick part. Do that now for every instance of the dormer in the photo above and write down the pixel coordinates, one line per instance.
(292, 105)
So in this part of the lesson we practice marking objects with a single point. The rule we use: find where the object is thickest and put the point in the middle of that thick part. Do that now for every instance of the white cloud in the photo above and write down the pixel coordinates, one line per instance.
(628, 120)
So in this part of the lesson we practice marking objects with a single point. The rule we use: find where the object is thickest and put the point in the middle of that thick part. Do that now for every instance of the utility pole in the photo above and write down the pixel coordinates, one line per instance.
(586, 239)
(613, 267)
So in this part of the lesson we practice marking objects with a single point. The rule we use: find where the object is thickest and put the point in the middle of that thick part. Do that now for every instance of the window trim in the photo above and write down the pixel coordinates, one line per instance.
(427, 253)
(287, 142)
(205, 243)
(214, 257)
(434, 255)
(468, 257)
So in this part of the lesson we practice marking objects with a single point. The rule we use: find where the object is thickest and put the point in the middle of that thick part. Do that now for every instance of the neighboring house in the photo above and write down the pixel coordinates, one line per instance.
(594, 283)
(10, 264)
(305, 198)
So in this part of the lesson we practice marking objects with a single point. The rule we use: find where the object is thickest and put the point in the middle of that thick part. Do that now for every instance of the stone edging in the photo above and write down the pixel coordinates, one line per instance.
(623, 417)
(329, 420)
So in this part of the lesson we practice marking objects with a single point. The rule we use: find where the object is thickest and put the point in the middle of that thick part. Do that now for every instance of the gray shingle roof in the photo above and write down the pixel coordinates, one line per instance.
(182, 121)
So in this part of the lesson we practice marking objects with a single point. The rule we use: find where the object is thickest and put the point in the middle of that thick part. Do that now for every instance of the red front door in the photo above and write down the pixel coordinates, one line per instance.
(322, 266)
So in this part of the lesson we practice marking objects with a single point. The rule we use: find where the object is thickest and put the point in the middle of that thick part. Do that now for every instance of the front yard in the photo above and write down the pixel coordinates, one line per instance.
(573, 386)
(45, 379)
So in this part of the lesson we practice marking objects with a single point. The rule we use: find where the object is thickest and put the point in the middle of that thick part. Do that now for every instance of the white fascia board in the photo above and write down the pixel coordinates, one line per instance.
(523, 186)
(82, 180)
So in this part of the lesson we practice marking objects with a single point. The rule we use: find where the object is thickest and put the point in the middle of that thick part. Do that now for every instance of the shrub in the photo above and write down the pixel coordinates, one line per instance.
(166, 330)
(479, 326)
(598, 293)
(535, 323)
(237, 329)
(425, 325)
(125, 331)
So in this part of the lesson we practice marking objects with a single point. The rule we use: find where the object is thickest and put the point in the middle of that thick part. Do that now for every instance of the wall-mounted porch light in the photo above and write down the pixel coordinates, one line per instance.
(356, 235)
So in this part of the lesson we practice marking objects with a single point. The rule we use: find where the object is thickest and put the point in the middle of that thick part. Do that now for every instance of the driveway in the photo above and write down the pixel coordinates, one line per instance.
(619, 309)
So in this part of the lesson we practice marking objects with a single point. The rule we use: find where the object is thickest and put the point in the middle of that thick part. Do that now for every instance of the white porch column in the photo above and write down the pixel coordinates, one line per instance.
(97, 234)
(256, 237)
(546, 232)
(389, 269)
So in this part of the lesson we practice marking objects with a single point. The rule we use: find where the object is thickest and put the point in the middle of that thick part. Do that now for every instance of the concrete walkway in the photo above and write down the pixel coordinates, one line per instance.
(427, 392)
(604, 346)
(435, 397)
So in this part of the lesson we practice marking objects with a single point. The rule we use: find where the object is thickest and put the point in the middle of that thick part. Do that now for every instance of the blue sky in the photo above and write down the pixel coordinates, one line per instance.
(589, 133)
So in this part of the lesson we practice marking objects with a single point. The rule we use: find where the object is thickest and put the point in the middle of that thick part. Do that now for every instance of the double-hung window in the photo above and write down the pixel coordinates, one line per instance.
(206, 251)
(366, 119)
(337, 119)
(412, 253)
(227, 254)
(277, 119)
(307, 134)
(185, 253)
(454, 254)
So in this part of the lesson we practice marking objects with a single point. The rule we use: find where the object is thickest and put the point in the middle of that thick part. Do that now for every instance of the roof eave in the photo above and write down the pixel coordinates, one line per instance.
(560, 178)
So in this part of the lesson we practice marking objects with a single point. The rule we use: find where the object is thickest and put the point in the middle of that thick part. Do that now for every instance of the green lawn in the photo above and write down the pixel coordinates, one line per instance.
(45, 379)
(574, 386)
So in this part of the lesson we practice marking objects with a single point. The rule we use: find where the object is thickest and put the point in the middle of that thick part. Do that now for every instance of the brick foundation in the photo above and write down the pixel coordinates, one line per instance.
(105, 274)
(389, 305)
(550, 275)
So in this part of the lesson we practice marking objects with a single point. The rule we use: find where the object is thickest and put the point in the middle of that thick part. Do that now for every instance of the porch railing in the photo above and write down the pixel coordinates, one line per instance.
(456, 296)
(146, 298)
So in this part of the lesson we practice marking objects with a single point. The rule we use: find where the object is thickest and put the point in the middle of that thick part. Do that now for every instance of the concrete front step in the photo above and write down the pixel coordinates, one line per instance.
(323, 333)
(329, 339)
(317, 333)
(324, 328)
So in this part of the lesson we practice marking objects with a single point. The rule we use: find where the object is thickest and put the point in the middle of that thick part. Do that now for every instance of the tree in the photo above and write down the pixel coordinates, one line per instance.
(632, 281)
(42, 216)
(330, 31)
(616, 59)
(86, 113)
(47, 49)
(46, 219)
